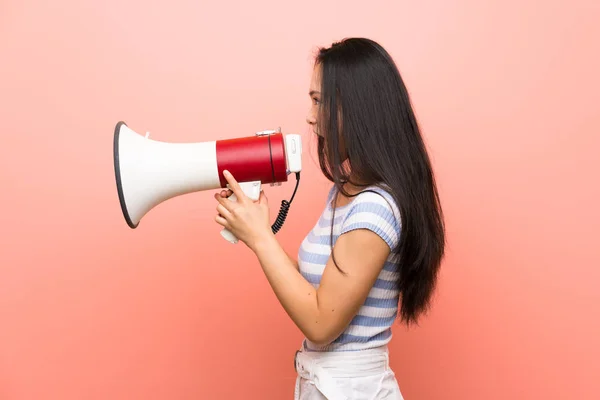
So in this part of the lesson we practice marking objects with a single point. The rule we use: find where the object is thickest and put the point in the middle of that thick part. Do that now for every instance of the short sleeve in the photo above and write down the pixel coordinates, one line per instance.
(376, 212)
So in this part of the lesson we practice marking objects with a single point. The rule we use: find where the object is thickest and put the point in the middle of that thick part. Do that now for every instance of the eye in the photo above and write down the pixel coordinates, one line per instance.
(315, 101)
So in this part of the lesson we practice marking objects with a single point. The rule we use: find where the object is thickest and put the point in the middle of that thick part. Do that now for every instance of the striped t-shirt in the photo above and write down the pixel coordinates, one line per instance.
(371, 327)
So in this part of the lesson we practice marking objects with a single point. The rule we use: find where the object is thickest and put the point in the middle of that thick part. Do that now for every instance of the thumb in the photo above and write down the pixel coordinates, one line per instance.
(262, 200)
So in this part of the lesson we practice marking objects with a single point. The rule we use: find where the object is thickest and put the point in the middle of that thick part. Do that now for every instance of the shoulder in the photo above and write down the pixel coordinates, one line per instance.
(374, 209)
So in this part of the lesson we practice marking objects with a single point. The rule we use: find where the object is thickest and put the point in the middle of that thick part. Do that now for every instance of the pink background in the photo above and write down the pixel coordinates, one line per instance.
(508, 96)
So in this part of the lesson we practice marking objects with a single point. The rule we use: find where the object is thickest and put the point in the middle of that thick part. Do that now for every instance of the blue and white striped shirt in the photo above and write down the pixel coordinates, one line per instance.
(371, 327)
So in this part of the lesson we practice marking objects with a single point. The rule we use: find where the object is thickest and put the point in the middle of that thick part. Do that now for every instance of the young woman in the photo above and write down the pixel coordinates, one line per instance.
(375, 250)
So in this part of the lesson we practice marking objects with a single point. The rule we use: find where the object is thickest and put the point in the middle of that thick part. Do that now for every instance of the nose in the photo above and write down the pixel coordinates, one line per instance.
(310, 119)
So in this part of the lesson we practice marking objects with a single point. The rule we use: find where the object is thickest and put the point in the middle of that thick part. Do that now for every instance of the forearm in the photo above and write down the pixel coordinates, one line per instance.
(297, 296)
(294, 263)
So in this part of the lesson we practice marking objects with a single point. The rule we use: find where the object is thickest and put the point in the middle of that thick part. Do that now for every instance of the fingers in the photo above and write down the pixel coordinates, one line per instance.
(235, 186)
(225, 193)
(223, 212)
(221, 221)
(224, 202)
(224, 208)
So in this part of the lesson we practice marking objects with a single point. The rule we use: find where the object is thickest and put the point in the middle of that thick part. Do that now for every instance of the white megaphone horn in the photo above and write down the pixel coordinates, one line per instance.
(149, 172)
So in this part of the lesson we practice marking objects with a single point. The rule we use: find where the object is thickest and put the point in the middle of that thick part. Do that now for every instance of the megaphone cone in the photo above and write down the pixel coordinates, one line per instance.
(148, 172)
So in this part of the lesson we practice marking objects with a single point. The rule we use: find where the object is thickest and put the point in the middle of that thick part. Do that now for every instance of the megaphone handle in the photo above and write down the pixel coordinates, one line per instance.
(250, 189)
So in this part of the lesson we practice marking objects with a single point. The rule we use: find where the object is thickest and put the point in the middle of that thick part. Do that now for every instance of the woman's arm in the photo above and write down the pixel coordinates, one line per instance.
(320, 314)
(323, 314)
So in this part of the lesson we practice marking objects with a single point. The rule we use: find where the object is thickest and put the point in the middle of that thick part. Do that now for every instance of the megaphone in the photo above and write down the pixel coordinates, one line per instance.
(148, 172)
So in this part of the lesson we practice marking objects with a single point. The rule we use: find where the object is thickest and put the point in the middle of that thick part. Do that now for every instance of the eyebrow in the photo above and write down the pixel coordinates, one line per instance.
(313, 92)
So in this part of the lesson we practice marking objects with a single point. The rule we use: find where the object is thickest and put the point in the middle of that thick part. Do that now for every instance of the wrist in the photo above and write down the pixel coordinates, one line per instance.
(262, 241)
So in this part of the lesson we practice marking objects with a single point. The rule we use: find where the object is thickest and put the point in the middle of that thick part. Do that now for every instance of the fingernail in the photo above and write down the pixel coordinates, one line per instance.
(225, 172)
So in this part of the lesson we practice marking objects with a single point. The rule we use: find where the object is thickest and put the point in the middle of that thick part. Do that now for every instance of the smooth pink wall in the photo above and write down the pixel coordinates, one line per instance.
(508, 96)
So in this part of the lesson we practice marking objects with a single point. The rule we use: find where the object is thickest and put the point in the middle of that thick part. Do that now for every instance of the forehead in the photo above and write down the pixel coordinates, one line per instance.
(315, 82)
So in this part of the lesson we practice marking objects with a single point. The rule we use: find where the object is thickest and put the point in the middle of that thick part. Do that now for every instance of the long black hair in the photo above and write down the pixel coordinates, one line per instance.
(369, 135)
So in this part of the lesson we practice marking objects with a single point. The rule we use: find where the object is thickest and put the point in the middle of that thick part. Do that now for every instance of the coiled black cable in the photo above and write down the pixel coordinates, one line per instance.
(285, 208)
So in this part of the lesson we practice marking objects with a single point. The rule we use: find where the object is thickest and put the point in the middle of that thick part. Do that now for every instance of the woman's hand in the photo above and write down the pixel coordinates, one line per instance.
(248, 220)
